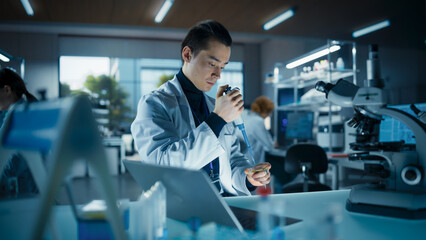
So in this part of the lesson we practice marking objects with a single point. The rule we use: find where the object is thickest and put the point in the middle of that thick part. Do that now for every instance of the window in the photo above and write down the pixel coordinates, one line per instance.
(73, 71)
(151, 70)
(129, 79)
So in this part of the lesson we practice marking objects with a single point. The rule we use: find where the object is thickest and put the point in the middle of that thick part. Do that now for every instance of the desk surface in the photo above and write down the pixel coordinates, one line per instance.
(112, 141)
(310, 207)
(278, 152)
(16, 218)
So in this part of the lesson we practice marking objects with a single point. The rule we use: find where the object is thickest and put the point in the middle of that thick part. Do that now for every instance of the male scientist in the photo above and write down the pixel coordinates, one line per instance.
(179, 125)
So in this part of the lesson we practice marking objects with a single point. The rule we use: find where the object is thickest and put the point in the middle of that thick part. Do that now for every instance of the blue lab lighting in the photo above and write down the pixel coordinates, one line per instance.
(372, 28)
(27, 7)
(163, 11)
(279, 19)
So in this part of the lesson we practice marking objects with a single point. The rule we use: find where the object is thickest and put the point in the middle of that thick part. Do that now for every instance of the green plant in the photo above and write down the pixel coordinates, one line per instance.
(105, 91)
(164, 78)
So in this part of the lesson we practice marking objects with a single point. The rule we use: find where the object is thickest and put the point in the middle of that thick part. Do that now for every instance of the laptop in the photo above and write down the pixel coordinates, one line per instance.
(190, 193)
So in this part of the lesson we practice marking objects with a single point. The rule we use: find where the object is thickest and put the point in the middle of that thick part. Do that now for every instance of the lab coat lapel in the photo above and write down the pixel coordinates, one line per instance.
(183, 102)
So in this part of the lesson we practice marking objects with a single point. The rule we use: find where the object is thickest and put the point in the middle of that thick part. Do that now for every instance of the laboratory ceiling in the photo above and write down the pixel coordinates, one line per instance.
(323, 19)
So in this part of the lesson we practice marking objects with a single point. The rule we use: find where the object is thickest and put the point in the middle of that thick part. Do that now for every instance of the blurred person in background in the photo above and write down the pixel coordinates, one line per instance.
(259, 137)
(16, 177)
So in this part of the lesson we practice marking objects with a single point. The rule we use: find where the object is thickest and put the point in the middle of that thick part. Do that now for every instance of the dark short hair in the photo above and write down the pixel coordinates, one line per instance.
(16, 83)
(198, 36)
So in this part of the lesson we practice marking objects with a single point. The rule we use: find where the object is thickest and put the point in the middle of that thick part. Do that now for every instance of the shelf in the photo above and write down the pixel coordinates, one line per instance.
(310, 79)
(309, 106)
(302, 83)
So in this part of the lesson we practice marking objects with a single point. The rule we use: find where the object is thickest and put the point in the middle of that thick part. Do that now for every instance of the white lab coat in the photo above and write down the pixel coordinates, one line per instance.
(164, 132)
(260, 139)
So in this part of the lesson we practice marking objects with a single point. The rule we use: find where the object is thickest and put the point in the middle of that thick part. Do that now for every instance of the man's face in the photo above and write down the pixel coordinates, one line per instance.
(204, 69)
(5, 97)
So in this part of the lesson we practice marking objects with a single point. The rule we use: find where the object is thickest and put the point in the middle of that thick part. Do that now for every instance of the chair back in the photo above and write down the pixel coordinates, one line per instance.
(300, 154)
(306, 160)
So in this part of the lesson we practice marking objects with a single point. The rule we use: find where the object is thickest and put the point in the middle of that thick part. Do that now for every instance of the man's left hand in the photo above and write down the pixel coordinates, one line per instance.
(259, 175)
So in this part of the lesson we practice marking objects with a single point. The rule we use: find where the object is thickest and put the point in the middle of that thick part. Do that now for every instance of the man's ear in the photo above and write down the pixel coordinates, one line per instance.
(7, 89)
(186, 54)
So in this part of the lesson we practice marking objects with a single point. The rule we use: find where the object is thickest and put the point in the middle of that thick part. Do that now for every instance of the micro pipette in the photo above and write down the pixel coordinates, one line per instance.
(240, 124)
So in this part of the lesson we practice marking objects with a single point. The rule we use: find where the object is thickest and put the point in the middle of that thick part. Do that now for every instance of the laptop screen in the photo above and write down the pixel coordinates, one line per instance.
(191, 194)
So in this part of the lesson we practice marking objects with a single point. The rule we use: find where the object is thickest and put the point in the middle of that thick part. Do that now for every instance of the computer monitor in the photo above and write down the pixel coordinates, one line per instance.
(392, 130)
(286, 96)
(300, 125)
(282, 123)
(294, 126)
(63, 131)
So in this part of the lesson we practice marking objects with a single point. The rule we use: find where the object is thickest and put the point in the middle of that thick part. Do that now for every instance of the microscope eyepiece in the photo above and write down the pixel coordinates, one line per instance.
(323, 87)
(320, 86)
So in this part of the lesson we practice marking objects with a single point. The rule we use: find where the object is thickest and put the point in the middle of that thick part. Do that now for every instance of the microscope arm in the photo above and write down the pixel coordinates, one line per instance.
(414, 124)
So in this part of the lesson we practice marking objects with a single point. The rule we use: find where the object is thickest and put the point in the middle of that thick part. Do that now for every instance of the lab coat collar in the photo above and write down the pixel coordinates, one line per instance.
(177, 90)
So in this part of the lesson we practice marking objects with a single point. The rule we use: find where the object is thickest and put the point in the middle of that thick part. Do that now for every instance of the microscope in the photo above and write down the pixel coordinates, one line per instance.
(399, 185)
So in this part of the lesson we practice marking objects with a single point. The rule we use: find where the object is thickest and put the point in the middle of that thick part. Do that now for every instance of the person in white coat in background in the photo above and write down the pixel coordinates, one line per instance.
(179, 125)
(254, 121)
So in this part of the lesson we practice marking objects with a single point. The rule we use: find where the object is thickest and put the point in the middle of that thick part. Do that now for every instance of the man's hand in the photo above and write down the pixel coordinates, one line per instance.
(228, 106)
(259, 175)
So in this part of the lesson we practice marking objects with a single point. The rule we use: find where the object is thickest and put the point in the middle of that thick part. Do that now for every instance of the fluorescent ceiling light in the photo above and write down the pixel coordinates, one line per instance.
(27, 7)
(5, 57)
(313, 56)
(163, 10)
(279, 19)
(372, 28)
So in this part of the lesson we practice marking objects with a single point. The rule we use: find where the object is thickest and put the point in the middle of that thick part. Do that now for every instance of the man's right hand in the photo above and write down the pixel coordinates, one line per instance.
(228, 106)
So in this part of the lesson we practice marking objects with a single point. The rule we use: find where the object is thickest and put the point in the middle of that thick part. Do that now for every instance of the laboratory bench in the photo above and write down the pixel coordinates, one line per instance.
(323, 214)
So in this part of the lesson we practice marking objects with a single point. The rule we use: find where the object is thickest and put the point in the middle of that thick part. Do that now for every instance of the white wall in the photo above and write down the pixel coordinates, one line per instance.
(40, 52)
(115, 47)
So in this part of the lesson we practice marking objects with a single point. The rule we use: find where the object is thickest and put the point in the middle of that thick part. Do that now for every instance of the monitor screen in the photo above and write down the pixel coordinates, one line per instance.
(294, 125)
(282, 126)
(299, 125)
(392, 130)
(286, 96)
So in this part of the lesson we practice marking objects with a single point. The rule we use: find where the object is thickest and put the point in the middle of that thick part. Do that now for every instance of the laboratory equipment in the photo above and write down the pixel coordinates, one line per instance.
(337, 133)
(399, 189)
(264, 222)
(92, 220)
(420, 114)
(240, 124)
(65, 132)
(293, 92)
(181, 199)
(148, 217)
(183, 203)
(392, 130)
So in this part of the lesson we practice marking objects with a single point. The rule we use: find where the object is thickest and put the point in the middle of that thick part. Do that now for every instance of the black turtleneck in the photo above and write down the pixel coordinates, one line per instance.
(199, 106)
